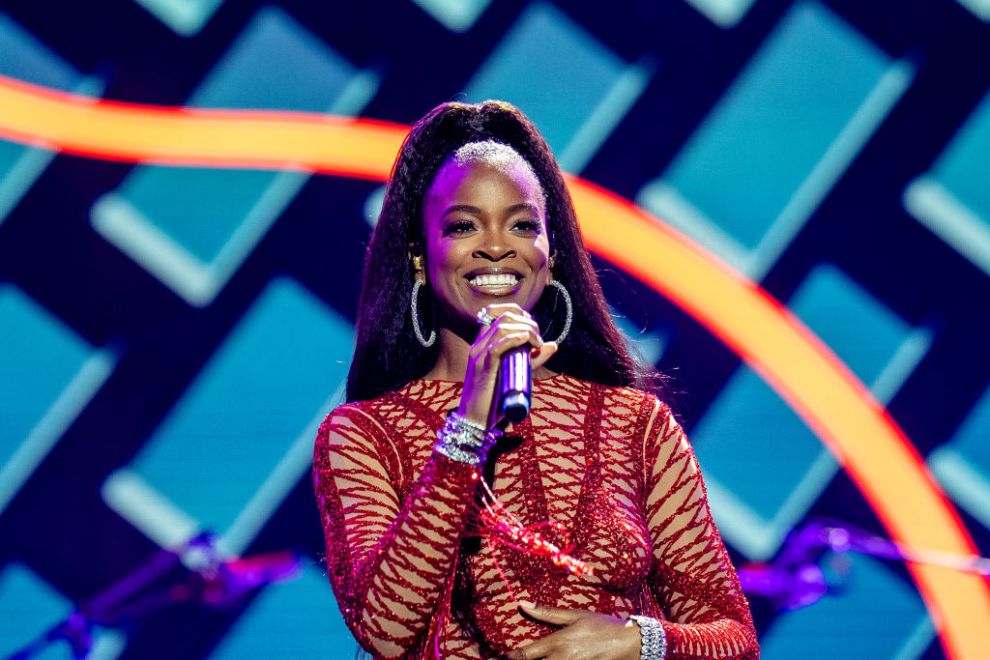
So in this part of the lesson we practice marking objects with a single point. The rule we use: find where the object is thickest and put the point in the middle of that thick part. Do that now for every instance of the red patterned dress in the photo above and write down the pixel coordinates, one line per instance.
(609, 466)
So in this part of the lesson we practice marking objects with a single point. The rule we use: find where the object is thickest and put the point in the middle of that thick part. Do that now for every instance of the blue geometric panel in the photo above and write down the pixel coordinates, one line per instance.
(29, 606)
(185, 17)
(723, 13)
(952, 199)
(192, 228)
(846, 623)
(648, 344)
(47, 375)
(570, 85)
(25, 58)
(764, 467)
(962, 465)
(979, 7)
(297, 619)
(241, 436)
(456, 15)
(778, 139)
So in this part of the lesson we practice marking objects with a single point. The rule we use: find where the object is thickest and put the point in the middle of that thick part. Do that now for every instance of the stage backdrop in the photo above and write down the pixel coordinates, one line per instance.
(170, 336)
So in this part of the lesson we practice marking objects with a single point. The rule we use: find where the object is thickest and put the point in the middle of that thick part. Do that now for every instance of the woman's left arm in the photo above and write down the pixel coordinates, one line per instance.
(693, 579)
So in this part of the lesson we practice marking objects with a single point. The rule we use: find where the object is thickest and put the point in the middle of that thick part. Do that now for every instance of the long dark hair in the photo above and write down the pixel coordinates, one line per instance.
(387, 354)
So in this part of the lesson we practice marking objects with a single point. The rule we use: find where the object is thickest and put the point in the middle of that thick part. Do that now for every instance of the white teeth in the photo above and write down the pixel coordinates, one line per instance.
(494, 280)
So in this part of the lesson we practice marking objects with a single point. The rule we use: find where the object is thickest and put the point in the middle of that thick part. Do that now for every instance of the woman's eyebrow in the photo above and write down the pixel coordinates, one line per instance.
(467, 208)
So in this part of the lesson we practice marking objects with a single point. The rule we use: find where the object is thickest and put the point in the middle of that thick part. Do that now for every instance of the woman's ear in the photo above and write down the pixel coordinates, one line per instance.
(417, 261)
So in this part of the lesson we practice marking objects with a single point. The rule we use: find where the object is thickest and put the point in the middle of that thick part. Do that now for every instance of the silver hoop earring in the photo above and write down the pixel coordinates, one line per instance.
(413, 307)
(570, 310)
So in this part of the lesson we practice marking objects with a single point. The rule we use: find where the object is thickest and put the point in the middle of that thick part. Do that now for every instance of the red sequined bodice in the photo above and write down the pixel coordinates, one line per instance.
(604, 472)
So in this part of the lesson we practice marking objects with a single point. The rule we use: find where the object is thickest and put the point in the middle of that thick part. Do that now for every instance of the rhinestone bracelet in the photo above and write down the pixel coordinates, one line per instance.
(654, 646)
(464, 441)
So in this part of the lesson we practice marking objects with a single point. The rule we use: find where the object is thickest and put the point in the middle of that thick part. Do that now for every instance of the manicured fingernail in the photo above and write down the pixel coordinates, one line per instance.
(534, 352)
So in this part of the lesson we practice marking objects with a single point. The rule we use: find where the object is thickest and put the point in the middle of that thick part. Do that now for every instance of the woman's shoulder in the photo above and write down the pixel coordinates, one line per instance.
(354, 417)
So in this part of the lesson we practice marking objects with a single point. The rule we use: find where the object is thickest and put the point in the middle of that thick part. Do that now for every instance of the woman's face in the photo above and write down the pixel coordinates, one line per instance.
(485, 236)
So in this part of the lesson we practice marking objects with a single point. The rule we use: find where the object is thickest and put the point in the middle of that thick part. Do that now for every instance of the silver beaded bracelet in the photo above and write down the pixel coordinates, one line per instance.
(654, 646)
(464, 441)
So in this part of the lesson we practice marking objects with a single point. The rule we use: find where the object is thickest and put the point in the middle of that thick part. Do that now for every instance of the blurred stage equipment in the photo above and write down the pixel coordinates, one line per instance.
(206, 576)
(796, 579)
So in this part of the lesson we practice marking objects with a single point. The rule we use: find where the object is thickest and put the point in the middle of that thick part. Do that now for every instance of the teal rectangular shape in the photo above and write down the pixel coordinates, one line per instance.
(28, 607)
(185, 17)
(963, 168)
(786, 116)
(254, 398)
(724, 13)
(756, 450)
(563, 78)
(952, 199)
(193, 227)
(254, 73)
(24, 57)
(455, 15)
(862, 332)
(874, 614)
(39, 358)
(298, 619)
(962, 464)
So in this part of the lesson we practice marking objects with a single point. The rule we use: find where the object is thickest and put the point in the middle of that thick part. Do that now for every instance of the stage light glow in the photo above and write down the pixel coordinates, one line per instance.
(835, 405)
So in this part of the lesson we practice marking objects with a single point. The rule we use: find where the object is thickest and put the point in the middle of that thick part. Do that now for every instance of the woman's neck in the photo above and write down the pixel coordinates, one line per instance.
(452, 361)
(453, 358)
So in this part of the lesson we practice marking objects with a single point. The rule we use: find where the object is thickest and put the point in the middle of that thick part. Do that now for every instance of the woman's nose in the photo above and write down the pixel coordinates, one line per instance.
(493, 247)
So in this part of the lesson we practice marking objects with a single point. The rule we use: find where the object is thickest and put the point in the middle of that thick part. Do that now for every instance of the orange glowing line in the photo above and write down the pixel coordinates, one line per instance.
(205, 138)
(840, 410)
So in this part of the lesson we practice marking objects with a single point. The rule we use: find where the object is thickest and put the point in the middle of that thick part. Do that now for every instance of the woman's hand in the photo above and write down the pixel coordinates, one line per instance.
(584, 635)
(512, 327)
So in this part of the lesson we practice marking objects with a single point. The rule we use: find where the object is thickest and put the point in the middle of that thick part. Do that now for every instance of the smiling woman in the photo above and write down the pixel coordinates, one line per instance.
(582, 531)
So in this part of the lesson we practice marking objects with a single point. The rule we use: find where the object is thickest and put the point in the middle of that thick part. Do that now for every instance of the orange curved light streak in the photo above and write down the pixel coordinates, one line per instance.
(836, 406)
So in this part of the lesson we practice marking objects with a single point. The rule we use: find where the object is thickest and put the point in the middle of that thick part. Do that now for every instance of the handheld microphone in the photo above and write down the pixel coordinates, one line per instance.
(514, 393)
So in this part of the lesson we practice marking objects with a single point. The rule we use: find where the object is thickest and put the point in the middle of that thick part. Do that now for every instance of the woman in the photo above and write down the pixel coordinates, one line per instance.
(583, 531)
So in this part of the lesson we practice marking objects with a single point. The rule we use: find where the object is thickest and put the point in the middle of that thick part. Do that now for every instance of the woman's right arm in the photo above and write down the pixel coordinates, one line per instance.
(388, 560)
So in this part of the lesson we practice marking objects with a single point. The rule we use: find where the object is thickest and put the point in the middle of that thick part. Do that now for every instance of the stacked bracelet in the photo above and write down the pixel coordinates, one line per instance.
(464, 441)
(654, 645)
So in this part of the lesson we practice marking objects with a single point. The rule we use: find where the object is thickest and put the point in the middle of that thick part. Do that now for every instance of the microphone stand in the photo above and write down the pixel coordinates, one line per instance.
(213, 579)
(795, 580)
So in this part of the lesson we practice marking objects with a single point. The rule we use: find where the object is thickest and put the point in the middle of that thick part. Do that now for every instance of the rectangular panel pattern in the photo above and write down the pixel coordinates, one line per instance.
(241, 436)
(192, 228)
(764, 467)
(47, 374)
(953, 200)
(775, 143)
(573, 88)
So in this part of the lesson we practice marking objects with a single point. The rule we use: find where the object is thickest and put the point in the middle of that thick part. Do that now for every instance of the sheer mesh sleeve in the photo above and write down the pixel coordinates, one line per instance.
(692, 578)
(389, 556)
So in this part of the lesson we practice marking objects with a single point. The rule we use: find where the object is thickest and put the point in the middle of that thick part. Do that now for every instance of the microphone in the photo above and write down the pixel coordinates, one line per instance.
(514, 392)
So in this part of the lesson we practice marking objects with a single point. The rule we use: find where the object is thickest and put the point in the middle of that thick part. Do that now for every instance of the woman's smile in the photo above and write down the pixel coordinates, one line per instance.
(494, 282)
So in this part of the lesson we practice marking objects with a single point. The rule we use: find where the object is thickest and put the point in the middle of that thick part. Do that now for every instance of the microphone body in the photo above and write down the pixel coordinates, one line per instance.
(514, 392)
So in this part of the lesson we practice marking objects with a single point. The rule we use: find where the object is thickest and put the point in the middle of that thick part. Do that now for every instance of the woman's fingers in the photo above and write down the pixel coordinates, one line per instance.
(539, 356)
(505, 343)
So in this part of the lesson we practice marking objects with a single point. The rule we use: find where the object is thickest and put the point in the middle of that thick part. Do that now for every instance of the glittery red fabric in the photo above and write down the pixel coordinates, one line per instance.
(609, 466)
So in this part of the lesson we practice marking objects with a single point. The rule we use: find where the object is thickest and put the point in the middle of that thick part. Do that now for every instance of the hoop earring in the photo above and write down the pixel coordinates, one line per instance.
(413, 307)
(570, 310)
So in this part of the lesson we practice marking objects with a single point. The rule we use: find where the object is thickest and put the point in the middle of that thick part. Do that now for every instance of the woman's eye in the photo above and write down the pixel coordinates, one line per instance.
(458, 227)
(528, 225)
